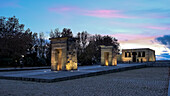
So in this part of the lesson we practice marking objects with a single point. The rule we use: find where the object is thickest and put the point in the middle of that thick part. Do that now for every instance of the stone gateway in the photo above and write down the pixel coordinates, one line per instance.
(108, 56)
(63, 54)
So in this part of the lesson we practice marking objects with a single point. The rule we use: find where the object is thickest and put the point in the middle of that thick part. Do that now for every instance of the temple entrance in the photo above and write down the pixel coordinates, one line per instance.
(106, 58)
(134, 56)
(58, 59)
(63, 54)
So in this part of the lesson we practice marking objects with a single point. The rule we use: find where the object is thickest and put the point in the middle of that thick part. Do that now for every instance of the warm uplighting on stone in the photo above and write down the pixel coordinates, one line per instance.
(138, 55)
(114, 61)
(106, 63)
(108, 57)
(71, 65)
(63, 54)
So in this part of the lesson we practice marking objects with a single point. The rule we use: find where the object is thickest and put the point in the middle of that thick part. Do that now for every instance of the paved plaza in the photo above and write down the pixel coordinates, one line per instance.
(151, 81)
(46, 75)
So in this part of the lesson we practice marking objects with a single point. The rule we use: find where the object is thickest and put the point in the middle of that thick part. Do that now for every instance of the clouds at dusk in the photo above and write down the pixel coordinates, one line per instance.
(135, 23)
(128, 41)
(134, 33)
(107, 14)
(164, 40)
(158, 27)
(102, 13)
(133, 37)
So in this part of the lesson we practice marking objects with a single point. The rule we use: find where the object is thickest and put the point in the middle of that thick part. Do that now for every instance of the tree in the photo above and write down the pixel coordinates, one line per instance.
(55, 34)
(66, 33)
(42, 44)
(92, 51)
(14, 41)
(82, 40)
(52, 34)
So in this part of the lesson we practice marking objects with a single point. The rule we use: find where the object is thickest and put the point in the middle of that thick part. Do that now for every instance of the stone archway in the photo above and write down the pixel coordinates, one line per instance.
(108, 57)
(63, 54)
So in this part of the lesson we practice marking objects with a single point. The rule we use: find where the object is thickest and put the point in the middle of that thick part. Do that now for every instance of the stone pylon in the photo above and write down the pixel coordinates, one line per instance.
(63, 54)
(108, 56)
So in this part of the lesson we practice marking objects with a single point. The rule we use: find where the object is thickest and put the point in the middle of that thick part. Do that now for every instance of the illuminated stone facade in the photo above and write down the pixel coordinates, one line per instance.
(138, 55)
(108, 57)
(63, 54)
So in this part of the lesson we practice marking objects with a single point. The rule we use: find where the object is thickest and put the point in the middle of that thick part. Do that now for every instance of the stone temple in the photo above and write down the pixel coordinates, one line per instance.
(63, 54)
(138, 55)
(108, 56)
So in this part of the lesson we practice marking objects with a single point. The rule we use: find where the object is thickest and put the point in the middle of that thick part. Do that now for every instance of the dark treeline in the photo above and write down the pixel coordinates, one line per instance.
(17, 44)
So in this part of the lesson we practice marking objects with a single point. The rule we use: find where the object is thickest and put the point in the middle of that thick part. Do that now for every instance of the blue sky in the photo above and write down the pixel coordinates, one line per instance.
(135, 23)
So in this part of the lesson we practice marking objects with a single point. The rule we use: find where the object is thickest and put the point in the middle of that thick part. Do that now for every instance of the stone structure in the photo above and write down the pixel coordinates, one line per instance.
(108, 56)
(138, 55)
(63, 54)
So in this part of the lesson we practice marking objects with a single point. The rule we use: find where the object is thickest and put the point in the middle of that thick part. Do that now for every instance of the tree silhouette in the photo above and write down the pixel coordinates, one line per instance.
(14, 41)
(55, 34)
(66, 33)
(90, 53)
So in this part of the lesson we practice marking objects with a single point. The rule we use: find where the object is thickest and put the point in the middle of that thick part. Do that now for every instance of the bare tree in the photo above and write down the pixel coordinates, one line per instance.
(55, 34)
(41, 44)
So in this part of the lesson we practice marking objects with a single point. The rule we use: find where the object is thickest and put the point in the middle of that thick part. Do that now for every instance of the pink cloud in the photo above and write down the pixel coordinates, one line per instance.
(106, 14)
(158, 28)
(133, 37)
(62, 9)
(94, 13)
(128, 41)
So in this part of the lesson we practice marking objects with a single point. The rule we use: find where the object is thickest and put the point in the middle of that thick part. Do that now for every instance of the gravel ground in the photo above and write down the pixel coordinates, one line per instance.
(140, 82)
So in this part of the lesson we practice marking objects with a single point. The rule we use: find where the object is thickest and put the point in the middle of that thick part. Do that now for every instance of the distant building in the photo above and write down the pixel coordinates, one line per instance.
(138, 55)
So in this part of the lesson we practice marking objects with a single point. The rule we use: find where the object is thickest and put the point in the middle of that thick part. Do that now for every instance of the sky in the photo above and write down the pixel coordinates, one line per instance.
(135, 23)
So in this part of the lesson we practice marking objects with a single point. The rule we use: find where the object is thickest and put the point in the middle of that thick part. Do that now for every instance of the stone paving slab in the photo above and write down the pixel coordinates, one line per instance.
(46, 75)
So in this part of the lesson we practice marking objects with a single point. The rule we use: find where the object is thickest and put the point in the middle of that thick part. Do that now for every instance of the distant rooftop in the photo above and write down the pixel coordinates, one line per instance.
(139, 49)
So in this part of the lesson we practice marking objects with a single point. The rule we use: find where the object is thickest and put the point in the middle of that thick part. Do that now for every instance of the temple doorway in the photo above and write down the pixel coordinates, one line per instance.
(106, 58)
(58, 59)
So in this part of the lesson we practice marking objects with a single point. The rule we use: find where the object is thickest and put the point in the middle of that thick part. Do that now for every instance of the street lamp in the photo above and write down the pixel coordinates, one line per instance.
(22, 56)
